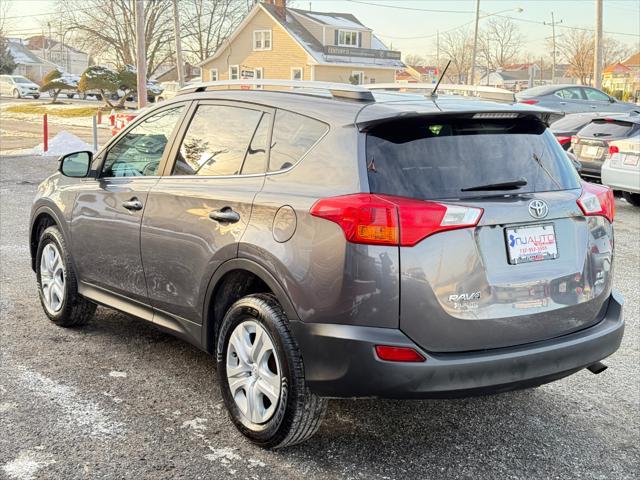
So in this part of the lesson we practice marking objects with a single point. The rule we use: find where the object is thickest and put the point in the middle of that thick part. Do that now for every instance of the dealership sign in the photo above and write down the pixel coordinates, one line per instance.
(361, 52)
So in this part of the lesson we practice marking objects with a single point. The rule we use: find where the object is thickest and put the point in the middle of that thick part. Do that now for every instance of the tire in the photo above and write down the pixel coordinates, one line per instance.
(71, 310)
(16, 93)
(632, 198)
(70, 95)
(36, 97)
(297, 413)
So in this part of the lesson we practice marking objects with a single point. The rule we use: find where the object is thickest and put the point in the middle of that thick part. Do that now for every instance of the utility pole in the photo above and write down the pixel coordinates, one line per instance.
(597, 56)
(176, 29)
(475, 45)
(553, 53)
(438, 51)
(141, 60)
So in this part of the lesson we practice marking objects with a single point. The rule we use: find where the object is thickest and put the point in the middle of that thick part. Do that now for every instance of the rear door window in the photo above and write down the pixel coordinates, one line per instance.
(438, 158)
(606, 128)
(573, 93)
(216, 141)
(293, 136)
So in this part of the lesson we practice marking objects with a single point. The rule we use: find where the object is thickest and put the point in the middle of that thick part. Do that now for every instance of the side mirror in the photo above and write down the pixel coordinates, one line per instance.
(574, 160)
(75, 164)
(612, 100)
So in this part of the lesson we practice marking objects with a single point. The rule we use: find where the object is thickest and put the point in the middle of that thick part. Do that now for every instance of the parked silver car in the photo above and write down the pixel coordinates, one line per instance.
(621, 169)
(334, 242)
(18, 86)
(573, 99)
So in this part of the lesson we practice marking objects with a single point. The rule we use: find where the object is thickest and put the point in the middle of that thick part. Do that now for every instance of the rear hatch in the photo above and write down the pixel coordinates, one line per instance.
(591, 145)
(534, 266)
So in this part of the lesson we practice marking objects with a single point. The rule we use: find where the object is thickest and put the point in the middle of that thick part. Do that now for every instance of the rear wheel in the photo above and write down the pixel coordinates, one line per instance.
(632, 198)
(57, 284)
(261, 375)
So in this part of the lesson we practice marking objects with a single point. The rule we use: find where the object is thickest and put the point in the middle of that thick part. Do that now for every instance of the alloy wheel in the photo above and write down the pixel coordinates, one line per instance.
(253, 371)
(52, 278)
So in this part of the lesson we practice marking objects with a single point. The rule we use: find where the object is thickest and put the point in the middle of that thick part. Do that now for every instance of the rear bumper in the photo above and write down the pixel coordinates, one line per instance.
(340, 361)
(621, 179)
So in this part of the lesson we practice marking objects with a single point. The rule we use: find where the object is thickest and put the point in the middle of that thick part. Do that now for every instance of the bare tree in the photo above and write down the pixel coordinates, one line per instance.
(107, 29)
(614, 51)
(456, 46)
(500, 43)
(207, 23)
(414, 59)
(576, 48)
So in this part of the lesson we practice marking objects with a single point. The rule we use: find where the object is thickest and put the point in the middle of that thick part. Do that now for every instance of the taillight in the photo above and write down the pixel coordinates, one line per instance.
(389, 220)
(398, 354)
(613, 149)
(574, 140)
(563, 140)
(529, 102)
(597, 200)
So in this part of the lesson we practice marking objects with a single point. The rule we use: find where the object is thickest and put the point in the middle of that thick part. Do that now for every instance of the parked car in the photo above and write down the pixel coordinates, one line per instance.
(621, 169)
(18, 86)
(335, 244)
(569, 125)
(593, 142)
(573, 99)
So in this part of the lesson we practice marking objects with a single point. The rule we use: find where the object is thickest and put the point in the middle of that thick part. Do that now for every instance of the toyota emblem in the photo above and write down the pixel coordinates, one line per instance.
(538, 209)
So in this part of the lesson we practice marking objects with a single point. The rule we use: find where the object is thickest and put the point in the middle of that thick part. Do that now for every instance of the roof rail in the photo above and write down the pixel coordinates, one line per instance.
(336, 90)
(480, 91)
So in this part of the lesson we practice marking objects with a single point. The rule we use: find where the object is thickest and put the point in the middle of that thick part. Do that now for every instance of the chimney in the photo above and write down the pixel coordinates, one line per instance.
(281, 6)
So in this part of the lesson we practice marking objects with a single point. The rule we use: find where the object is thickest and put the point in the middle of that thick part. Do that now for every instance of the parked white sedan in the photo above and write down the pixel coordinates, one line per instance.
(621, 168)
(18, 86)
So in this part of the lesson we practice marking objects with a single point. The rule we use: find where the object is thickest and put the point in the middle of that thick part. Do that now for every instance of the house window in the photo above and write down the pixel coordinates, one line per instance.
(347, 38)
(262, 39)
(296, 73)
(357, 78)
(234, 72)
(214, 74)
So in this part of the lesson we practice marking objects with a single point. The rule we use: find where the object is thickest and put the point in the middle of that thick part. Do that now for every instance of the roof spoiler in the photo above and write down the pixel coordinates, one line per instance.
(336, 90)
(476, 91)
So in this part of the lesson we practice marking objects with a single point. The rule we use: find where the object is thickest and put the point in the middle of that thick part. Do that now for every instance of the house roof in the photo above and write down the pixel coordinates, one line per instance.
(616, 67)
(38, 42)
(424, 69)
(633, 60)
(307, 41)
(336, 20)
(21, 54)
(513, 74)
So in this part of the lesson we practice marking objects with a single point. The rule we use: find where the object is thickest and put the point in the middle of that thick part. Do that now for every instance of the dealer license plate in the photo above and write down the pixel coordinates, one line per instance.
(532, 243)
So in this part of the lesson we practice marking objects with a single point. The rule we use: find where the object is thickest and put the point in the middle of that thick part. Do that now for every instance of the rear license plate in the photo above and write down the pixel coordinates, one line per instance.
(630, 159)
(590, 151)
(532, 243)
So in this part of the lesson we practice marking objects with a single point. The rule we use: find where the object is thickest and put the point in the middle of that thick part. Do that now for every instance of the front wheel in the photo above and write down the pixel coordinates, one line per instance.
(57, 283)
(632, 198)
(261, 375)
(16, 93)
(36, 97)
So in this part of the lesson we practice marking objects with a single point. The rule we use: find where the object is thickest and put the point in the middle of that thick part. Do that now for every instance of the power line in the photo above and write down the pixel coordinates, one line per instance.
(413, 9)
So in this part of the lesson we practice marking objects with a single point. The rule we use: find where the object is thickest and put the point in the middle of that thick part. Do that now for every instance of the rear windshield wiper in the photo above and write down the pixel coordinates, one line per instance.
(511, 185)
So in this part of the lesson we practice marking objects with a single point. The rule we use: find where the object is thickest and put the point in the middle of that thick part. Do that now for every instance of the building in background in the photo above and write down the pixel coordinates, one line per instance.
(171, 74)
(417, 74)
(28, 64)
(622, 79)
(70, 59)
(275, 42)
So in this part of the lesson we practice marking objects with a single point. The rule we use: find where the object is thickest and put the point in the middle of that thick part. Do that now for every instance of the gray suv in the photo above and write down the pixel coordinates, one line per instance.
(330, 242)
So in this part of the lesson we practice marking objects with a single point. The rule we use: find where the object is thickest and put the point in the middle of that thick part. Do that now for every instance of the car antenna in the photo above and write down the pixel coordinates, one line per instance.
(435, 89)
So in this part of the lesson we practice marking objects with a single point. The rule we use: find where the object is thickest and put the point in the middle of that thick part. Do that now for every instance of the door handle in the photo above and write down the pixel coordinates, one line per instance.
(225, 215)
(134, 204)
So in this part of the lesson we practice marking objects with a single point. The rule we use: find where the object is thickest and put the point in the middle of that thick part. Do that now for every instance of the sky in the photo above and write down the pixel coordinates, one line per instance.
(408, 27)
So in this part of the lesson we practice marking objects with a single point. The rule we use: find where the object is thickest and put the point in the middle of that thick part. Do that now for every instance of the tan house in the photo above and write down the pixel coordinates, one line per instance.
(623, 78)
(275, 42)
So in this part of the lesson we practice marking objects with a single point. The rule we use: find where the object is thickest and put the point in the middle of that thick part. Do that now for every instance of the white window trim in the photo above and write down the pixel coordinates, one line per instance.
(360, 73)
(341, 44)
(301, 73)
(262, 39)
(237, 67)
(211, 73)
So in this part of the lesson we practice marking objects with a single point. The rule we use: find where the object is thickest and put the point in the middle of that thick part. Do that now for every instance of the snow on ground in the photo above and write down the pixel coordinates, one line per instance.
(61, 144)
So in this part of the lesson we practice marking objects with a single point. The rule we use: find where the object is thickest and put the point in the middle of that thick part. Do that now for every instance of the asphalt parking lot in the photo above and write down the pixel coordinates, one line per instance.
(119, 399)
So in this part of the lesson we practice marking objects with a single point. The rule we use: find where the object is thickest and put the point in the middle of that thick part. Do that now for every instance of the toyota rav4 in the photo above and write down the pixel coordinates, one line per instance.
(328, 241)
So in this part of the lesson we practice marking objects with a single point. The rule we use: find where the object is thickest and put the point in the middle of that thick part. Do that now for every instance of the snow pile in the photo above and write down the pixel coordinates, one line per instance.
(62, 144)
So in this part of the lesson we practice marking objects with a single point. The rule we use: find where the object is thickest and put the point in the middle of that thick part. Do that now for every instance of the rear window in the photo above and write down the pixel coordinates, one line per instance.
(571, 123)
(431, 158)
(606, 128)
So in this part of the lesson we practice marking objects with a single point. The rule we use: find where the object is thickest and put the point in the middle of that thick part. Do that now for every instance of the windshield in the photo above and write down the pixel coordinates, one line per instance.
(431, 158)
(21, 80)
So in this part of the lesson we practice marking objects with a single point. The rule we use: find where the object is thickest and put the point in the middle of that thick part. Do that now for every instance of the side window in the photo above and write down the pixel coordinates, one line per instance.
(254, 161)
(597, 95)
(139, 151)
(293, 136)
(216, 141)
(569, 93)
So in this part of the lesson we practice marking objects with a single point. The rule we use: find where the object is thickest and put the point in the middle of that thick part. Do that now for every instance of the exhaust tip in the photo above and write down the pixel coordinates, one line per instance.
(597, 368)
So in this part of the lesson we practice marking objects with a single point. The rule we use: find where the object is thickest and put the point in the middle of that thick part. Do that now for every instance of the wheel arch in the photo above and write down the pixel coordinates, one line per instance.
(42, 219)
(232, 280)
